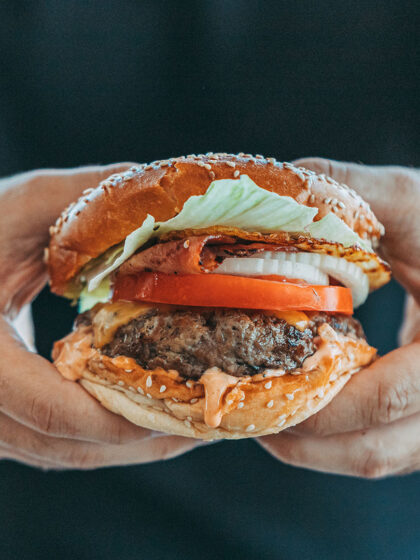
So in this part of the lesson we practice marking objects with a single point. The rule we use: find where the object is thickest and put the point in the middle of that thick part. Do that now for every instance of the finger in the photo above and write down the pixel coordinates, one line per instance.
(40, 196)
(59, 187)
(387, 390)
(67, 453)
(375, 453)
(35, 394)
(379, 185)
(410, 329)
(376, 184)
(26, 460)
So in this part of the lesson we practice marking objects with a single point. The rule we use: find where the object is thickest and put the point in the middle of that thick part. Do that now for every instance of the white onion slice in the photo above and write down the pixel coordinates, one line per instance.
(266, 267)
(313, 268)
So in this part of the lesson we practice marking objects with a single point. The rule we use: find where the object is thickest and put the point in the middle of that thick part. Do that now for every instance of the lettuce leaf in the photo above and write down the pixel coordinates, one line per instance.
(100, 295)
(332, 228)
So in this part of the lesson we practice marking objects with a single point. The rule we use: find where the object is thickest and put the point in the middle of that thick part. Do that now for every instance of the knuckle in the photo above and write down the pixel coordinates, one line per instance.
(42, 414)
(45, 415)
(374, 462)
(393, 401)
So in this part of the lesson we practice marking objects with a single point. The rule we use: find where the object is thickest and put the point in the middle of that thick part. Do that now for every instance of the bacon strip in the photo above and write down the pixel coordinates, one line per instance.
(184, 256)
(192, 255)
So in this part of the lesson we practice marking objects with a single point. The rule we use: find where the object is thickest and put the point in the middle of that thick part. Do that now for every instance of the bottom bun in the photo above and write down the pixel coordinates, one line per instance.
(148, 413)
(216, 406)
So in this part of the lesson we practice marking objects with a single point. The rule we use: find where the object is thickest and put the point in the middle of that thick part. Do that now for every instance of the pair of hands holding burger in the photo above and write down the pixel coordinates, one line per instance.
(370, 428)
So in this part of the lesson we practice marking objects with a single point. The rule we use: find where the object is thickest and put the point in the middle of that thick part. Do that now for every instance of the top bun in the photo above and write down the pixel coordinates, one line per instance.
(104, 216)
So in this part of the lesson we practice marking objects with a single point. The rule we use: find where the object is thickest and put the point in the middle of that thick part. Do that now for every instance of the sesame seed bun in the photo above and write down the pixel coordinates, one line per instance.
(104, 216)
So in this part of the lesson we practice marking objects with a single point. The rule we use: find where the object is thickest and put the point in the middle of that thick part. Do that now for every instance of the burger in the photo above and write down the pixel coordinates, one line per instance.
(215, 293)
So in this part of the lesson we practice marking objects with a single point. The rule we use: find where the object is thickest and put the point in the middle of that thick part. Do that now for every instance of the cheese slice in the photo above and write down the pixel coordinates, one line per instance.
(297, 319)
(112, 316)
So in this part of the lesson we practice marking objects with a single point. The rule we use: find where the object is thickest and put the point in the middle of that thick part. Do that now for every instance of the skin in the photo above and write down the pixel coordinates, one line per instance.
(372, 428)
(45, 420)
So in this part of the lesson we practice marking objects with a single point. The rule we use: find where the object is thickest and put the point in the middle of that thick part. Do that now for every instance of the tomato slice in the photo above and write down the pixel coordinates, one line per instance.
(213, 290)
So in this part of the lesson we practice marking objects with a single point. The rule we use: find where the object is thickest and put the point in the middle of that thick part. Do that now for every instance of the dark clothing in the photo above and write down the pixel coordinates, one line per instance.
(95, 82)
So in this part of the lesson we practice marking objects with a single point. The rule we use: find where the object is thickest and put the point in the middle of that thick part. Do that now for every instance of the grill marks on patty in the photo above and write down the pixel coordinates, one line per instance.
(239, 342)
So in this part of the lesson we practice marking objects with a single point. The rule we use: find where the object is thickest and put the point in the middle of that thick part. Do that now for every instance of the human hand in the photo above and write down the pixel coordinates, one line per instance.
(45, 420)
(372, 428)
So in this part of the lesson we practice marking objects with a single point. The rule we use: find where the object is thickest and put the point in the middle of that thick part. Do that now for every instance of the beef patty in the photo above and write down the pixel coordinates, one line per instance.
(239, 342)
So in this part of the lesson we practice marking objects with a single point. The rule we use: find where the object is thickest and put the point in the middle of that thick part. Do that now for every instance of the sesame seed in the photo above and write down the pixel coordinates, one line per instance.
(229, 402)
(250, 428)
(341, 204)
(281, 423)
(231, 163)
(149, 396)
(268, 384)
(312, 198)
(149, 381)
(201, 163)
(270, 404)
(121, 383)
(290, 396)
(236, 173)
(131, 389)
(306, 377)
(333, 377)
(327, 200)
(281, 417)
(187, 423)
(162, 389)
(207, 166)
(271, 160)
(212, 175)
(140, 390)
(189, 384)
(186, 244)
(240, 405)
(174, 399)
(128, 370)
(321, 393)
(193, 401)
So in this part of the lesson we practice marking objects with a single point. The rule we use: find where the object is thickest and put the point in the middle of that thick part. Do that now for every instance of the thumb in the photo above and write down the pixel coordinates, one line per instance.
(377, 185)
(49, 192)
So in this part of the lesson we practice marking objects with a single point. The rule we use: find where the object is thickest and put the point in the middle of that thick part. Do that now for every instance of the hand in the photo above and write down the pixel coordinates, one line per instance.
(46, 420)
(372, 428)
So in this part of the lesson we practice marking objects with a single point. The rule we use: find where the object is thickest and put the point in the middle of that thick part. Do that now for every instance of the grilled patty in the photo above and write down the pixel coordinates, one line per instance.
(239, 342)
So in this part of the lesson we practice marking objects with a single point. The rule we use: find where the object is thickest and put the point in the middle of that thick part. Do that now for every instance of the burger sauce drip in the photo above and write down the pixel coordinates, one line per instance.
(215, 384)
(72, 353)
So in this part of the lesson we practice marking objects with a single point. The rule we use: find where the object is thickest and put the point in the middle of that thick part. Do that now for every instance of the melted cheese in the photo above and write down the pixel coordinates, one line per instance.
(297, 319)
(112, 316)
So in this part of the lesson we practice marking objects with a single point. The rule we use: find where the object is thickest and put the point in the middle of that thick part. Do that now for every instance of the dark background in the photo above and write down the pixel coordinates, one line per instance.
(101, 81)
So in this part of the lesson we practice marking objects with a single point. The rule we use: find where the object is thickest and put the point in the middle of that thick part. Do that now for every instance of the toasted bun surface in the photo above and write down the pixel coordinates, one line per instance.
(248, 406)
(105, 216)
